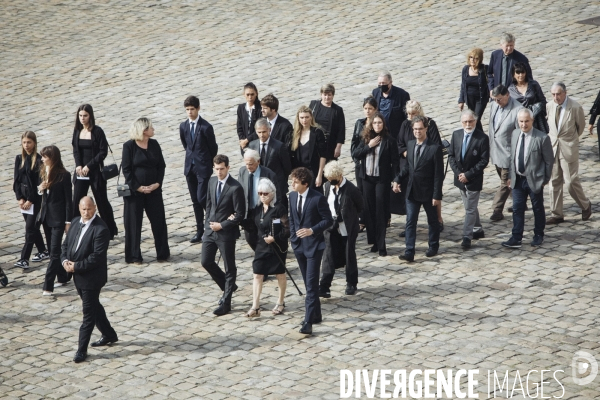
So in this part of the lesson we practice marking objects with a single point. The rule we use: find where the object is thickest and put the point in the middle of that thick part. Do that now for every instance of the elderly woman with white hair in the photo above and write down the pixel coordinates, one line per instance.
(271, 249)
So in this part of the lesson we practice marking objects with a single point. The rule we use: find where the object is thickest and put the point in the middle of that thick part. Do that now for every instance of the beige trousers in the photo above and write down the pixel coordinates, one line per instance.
(565, 173)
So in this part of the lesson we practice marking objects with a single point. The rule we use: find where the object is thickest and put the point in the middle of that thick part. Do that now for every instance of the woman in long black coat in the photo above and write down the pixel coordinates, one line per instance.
(530, 94)
(473, 87)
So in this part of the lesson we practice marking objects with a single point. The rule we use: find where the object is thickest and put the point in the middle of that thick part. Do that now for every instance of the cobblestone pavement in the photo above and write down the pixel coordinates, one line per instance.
(487, 308)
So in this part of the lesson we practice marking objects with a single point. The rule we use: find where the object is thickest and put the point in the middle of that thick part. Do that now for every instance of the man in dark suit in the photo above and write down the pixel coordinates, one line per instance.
(468, 155)
(84, 255)
(502, 61)
(392, 102)
(248, 177)
(425, 171)
(309, 217)
(345, 202)
(225, 198)
(198, 140)
(274, 155)
(281, 128)
(531, 162)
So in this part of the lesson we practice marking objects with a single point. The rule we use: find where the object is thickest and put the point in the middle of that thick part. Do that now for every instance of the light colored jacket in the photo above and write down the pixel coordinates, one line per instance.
(566, 137)
(500, 136)
(538, 162)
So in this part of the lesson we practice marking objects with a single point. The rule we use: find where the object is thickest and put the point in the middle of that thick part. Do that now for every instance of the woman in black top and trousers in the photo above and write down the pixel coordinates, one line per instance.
(378, 152)
(308, 146)
(27, 175)
(144, 170)
(90, 148)
(247, 115)
(56, 213)
(473, 87)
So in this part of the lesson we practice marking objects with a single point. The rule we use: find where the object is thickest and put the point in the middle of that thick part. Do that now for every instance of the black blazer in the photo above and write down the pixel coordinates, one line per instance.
(245, 130)
(484, 93)
(351, 205)
(425, 179)
(264, 173)
(282, 130)
(595, 110)
(26, 181)
(399, 98)
(337, 123)
(134, 161)
(476, 159)
(406, 135)
(318, 148)
(277, 160)
(357, 138)
(388, 159)
(99, 149)
(90, 258)
(315, 215)
(231, 202)
(57, 202)
(495, 68)
(201, 150)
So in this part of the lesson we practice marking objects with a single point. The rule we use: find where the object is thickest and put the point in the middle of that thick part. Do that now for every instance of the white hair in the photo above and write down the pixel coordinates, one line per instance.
(251, 153)
(265, 185)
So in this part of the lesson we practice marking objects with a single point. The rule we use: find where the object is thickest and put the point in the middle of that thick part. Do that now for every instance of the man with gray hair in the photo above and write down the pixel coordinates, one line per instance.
(391, 102)
(567, 122)
(502, 61)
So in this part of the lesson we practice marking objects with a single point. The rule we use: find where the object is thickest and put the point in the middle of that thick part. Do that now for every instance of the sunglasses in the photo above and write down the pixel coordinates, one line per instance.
(263, 193)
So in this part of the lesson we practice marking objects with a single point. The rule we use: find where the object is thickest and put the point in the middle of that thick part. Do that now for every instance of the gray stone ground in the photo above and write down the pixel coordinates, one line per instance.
(487, 308)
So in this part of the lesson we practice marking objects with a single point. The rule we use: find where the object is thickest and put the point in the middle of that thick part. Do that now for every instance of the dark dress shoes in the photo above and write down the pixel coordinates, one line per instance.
(374, 248)
(306, 329)
(104, 341)
(79, 357)
(222, 310)
(407, 257)
(402, 234)
(324, 294)
(197, 238)
(466, 243)
(383, 253)
(586, 214)
(221, 300)
(350, 290)
(478, 235)
(554, 220)
(431, 252)
(497, 216)
(512, 243)
(537, 241)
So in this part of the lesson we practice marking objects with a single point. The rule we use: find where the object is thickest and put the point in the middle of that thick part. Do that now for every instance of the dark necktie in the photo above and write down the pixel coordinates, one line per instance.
(192, 131)
(558, 110)
(300, 206)
(251, 192)
(522, 155)
(465, 144)
(219, 187)
(336, 205)
(504, 69)
(76, 241)
(263, 155)
(418, 153)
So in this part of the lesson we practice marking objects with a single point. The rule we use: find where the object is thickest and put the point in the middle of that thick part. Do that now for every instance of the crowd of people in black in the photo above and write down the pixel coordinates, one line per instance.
(398, 155)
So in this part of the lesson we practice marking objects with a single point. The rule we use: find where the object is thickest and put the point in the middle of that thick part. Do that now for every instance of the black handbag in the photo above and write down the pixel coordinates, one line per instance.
(122, 190)
(111, 170)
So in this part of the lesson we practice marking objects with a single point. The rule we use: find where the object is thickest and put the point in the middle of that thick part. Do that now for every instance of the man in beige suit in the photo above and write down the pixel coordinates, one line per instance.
(567, 122)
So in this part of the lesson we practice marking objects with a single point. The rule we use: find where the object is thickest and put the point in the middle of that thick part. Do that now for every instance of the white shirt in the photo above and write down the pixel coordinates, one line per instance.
(84, 230)
(302, 198)
(195, 122)
(527, 142)
(272, 121)
(249, 111)
(266, 147)
(562, 113)
(331, 201)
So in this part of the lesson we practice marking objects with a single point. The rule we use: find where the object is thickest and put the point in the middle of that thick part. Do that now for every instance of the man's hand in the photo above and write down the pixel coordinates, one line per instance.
(243, 143)
(215, 226)
(78, 171)
(435, 202)
(462, 178)
(508, 183)
(304, 232)
(461, 106)
(84, 171)
(69, 266)
(396, 187)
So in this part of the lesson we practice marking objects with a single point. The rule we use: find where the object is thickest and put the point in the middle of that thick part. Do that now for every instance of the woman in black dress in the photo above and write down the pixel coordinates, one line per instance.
(90, 148)
(378, 152)
(271, 250)
(474, 88)
(308, 146)
(27, 175)
(144, 170)
(247, 115)
(56, 213)
(530, 94)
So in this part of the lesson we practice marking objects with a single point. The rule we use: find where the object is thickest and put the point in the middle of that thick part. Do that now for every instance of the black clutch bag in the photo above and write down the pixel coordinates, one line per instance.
(122, 190)
(445, 147)
(110, 171)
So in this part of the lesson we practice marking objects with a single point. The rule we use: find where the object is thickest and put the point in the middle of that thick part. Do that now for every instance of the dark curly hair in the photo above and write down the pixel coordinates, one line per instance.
(303, 175)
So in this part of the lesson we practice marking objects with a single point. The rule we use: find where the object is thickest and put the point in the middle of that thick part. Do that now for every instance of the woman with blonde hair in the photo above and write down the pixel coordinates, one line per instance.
(144, 170)
(308, 146)
(474, 90)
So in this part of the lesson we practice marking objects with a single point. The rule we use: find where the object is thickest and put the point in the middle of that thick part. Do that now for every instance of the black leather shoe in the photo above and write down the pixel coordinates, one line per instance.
(402, 234)
(431, 252)
(306, 329)
(383, 253)
(374, 248)
(221, 300)
(222, 310)
(537, 241)
(197, 238)
(466, 243)
(324, 294)
(407, 257)
(79, 357)
(478, 235)
(497, 216)
(350, 290)
(104, 341)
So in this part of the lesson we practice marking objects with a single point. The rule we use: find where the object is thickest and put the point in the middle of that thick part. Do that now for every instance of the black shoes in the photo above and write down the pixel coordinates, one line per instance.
(350, 290)
(79, 357)
(324, 294)
(197, 238)
(431, 252)
(407, 257)
(466, 243)
(537, 241)
(222, 310)
(3, 278)
(497, 216)
(104, 341)
(402, 234)
(374, 248)
(478, 235)
(382, 253)
(221, 300)
(306, 329)
(512, 243)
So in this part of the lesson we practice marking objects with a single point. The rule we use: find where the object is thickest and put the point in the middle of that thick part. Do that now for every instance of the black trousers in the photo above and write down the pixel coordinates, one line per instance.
(198, 188)
(359, 184)
(133, 213)
(377, 201)
(225, 280)
(93, 315)
(339, 251)
(33, 235)
(80, 189)
(55, 268)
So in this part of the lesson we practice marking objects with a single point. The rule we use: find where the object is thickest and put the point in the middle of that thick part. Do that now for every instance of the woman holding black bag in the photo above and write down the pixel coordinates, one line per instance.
(90, 148)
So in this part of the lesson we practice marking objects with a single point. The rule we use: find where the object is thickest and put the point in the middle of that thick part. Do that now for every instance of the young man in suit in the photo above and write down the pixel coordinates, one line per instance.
(281, 128)
(502, 61)
(309, 217)
(198, 140)
(84, 255)
(531, 160)
(225, 198)
(392, 102)
(503, 121)
(567, 122)
(425, 171)
(274, 155)
(248, 177)
(468, 156)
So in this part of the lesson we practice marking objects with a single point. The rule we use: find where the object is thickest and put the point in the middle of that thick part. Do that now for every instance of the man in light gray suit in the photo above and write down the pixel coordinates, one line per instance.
(248, 177)
(530, 169)
(503, 121)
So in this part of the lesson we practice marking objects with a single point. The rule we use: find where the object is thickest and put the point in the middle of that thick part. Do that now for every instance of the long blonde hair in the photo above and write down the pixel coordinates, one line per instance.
(298, 126)
(29, 135)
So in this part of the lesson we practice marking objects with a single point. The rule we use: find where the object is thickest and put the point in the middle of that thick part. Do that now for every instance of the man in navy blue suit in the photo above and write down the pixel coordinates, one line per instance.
(502, 61)
(309, 217)
(198, 140)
